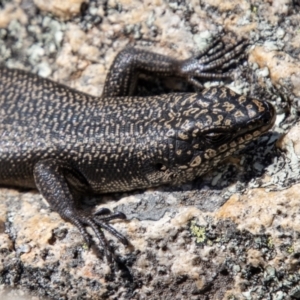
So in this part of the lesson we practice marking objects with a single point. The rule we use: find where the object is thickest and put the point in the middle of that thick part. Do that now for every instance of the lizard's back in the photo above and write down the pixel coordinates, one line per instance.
(41, 119)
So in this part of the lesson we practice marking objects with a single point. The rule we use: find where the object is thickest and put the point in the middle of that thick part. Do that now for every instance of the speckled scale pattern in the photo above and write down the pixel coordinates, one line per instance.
(66, 143)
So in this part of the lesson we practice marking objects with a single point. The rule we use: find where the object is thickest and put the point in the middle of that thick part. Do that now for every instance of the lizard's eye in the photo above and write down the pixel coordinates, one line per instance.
(216, 137)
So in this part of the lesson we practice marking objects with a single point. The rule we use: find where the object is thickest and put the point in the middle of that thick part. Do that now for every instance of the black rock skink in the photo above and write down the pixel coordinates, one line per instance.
(66, 143)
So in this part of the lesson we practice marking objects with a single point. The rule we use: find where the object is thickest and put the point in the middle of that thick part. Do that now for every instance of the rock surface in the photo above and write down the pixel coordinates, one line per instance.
(63, 9)
(233, 234)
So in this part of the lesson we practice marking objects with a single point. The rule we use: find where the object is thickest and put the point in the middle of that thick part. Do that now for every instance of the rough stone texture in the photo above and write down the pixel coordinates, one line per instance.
(62, 9)
(12, 12)
(233, 234)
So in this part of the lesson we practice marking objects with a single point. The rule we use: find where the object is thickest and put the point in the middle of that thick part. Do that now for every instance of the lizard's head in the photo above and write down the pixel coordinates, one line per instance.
(210, 126)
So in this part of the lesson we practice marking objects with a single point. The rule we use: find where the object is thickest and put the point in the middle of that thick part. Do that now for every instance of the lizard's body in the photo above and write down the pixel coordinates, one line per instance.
(63, 141)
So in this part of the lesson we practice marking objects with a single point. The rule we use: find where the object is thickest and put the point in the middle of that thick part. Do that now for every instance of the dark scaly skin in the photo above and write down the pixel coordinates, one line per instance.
(66, 143)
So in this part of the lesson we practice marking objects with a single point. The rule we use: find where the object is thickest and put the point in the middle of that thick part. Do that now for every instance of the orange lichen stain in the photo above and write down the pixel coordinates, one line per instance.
(257, 207)
(280, 64)
(260, 207)
(87, 272)
(233, 24)
(231, 209)
(40, 228)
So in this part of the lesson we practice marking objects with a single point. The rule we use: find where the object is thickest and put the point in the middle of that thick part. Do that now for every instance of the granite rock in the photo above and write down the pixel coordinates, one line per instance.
(233, 234)
(63, 9)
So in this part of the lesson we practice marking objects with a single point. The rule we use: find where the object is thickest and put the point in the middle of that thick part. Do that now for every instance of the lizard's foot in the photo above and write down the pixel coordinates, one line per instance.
(210, 62)
(99, 220)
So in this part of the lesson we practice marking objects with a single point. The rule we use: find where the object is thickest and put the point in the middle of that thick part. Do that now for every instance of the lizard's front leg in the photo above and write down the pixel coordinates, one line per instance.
(51, 180)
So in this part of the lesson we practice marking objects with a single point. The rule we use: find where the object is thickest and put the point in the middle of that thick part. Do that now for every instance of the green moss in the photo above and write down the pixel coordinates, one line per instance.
(290, 249)
(270, 243)
(85, 246)
(254, 9)
(199, 232)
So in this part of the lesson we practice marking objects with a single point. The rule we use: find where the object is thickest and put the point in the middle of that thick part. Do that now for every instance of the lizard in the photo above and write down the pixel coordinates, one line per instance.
(66, 143)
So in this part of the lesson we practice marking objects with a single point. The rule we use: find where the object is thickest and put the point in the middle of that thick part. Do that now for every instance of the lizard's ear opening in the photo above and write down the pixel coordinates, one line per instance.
(160, 167)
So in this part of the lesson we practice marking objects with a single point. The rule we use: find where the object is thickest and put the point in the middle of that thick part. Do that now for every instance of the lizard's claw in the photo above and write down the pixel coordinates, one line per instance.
(213, 57)
(98, 221)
